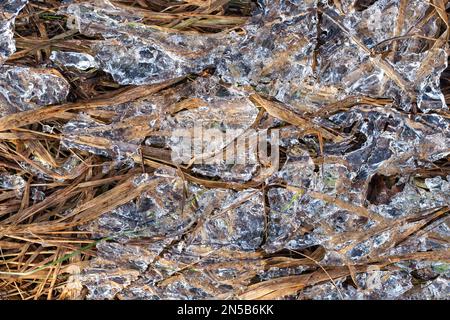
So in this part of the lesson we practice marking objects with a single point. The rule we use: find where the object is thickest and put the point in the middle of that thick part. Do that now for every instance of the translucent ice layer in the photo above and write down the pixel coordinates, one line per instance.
(80, 61)
(305, 54)
(138, 54)
(9, 9)
(23, 88)
(171, 120)
(11, 182)
(218, 219)
(366, 72)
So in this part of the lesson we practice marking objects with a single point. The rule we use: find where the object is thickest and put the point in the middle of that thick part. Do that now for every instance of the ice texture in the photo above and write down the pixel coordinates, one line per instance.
(374, 193)
(23, 88)
(126, 127)
(165, 119)
(9, 9)
(384, 285)
(437, 289)
(78, 60)
(11, 182)
(325, 202)
(134, 53)
(301, 53)
(162, 215)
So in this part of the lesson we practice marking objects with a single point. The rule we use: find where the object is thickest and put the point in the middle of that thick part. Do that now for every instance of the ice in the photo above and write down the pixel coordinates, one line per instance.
(414, 199)
(121, 137)
(277, 54)
(23, 88)
(222, 111)
(348, 198)
(437, 289)
(359, 185)
(226, 118)
(9, 9)
(239, 223)
(362, 31)
(306, 217)
(77, 60)
(384, 285)
(11, 182)
(138, 54)
(237, 227)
